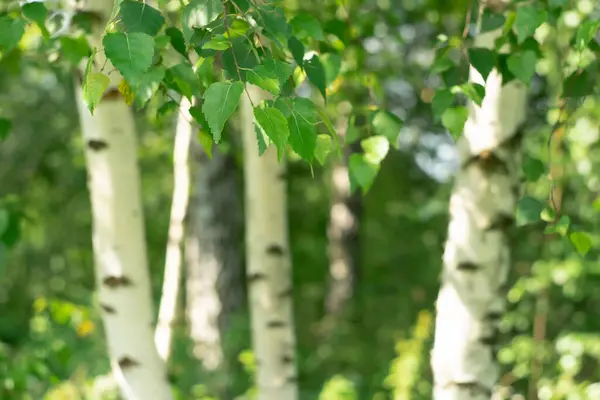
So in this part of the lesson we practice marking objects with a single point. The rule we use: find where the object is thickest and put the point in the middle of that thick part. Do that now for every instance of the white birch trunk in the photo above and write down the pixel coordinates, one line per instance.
(214, 282)
(477, 256)
(167, 311)
(118, 236)
(268, 264)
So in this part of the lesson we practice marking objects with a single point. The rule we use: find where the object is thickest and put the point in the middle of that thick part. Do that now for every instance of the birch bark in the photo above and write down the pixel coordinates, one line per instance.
(477, 256)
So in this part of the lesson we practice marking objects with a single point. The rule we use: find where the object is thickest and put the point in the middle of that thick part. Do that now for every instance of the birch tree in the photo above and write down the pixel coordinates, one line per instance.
(268, 262)
(118, 230)
(477, 256)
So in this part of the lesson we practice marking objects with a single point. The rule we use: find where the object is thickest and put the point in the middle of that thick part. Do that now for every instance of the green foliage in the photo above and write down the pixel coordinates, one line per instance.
(139, 16)
(272, 122)
(221, 100)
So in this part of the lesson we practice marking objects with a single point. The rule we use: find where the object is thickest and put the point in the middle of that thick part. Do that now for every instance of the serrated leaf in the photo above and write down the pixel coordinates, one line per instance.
(95, 85)
(529, 211)
(362, 172)
(533, 169)
(474, 91)
(483, 60)
(522, 65)
(332, 64)
(442, 99)
(147, 85)
(131, 53)
(218, 42)
(262, 139)
(197, 14)
(5, 128)
(585, 33)
(177, 40)
(375, 148)
(220, 101)
(186, 80)
(301, 115)
(141, 17)
(491, 21)
(275, 126)
(265, 79)
(581, 241)
(281, 69)
(297, 49)
(272, 19)
(323, 148)
(527, 20)
(36, 12)
(316, 74)
(243, 55)
(387, 125)
(11, 32)
(454, 120)
(305, 26)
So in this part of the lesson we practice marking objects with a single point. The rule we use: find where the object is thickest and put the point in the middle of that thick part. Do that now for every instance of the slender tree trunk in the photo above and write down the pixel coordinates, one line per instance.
(118, 236)
(214, 283)
(268, 264)
(181, 191)
(477, 256)
(343, 235)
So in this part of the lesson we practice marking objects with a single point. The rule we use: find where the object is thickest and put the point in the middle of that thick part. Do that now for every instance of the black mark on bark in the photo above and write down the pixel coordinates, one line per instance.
(127, 362)
(285, 293)
(287, 359)
(275, 250)
(502, 222)
(111, 94)
(255, 277)
(468, 267)
(97, 145)
(116, 281)
(276, 324)
(493, 316)
(108, 309)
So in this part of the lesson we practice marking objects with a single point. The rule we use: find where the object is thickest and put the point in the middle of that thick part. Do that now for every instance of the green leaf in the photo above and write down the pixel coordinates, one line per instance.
(562, 225)
(5, 128)
(281, 69)
(301, 115)
(148, 85)
(529, 211)
(522, 65)
(220, 101)
(218, 42)
(74, 49)
(262, 140)
(454, 120)
(36, 12)
(275, 126)
(316, 74)
(323, 148)
(474, 91)
(271, 18)
(362, 172)
(94, 87)
(11, 32)
(585, 33)
(186, 80)
(375, 148)
(4, 220)
(491, 21)
(243, 55)
(581, 241)
(442, 100)
(387, 125)
(483, 60)
(265, 79)
(305, 26)
(197, 14)
(533, 169)
(297, 49)
(177, 40)
(206, 141)
(528, 19)
(131, 53)
(332, 64)
(141, 17)
(442, 64)
(578, 84)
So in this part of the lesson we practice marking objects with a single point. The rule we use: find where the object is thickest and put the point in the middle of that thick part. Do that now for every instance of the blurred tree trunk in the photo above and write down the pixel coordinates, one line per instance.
(118, 234)
(477, 256)
(214, 282)
(173, 260)
(269, 264)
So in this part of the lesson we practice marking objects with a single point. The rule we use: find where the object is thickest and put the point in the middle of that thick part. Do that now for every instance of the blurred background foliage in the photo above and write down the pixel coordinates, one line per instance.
(51, 344)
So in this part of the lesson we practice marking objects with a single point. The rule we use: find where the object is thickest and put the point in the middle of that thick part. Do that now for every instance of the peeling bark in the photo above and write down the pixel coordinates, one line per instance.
(118, 237)
(477, 256)
(268, 264)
